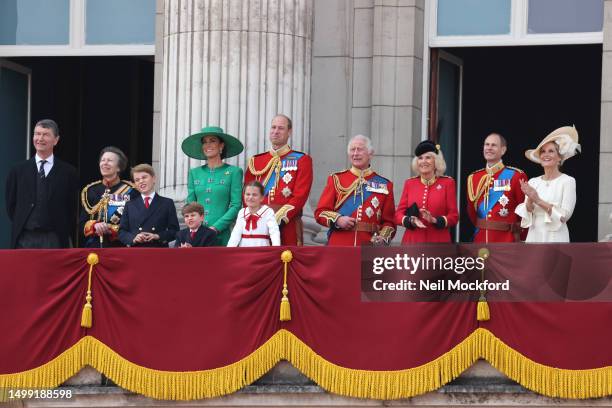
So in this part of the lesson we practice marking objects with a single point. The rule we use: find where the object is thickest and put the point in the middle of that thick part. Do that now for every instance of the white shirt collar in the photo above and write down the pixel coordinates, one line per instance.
(48, 159)
(151, 196)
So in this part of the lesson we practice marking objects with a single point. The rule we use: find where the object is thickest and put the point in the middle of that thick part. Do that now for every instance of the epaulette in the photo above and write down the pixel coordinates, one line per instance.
(515, 168)
(339, 172)
(476, 171)
(384, 178)
(260, 154)
(84, 190)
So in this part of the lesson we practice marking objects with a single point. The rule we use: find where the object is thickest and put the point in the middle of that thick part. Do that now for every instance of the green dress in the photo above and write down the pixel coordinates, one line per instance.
(219, 190)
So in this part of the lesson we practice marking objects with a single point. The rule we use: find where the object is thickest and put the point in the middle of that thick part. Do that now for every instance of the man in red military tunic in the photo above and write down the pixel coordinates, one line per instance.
(287, 177)
(357, 204)
(493, 194)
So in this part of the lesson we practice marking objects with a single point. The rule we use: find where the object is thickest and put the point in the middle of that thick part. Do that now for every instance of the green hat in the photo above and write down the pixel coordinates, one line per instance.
(192, 145)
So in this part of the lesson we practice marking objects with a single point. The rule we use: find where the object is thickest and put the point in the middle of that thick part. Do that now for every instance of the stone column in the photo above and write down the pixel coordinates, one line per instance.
(604, 231)
(368, 79)
(234, 64)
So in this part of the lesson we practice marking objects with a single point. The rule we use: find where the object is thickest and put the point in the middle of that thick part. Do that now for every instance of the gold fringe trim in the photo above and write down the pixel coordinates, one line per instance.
(548, 381)
(189, 385)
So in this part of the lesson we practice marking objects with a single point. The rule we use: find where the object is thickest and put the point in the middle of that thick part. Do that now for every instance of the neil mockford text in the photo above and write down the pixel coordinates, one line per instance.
(422, 263)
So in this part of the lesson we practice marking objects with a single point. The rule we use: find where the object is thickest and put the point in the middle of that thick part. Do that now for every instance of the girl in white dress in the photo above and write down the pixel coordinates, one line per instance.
(255, 225)
(550, 198)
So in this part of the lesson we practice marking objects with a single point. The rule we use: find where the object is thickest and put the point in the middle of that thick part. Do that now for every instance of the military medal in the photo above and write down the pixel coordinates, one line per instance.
(503, 200)
(287, 178)
(286, 192)
(369, 212)
(290, 163)
(375, 187)
(503, 212)
(501, 185)
(375, 202)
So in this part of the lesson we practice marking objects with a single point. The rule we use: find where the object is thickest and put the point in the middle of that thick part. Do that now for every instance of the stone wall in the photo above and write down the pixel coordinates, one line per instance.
(481, 385)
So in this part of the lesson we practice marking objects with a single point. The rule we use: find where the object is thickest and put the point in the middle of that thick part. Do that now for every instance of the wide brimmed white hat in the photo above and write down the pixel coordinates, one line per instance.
(565, 137)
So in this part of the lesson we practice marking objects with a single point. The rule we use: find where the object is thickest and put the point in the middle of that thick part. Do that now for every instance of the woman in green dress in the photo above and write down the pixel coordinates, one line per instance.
(216, 185)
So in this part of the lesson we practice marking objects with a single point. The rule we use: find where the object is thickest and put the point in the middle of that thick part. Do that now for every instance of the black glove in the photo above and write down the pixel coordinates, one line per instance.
(440, 222)
(412, 211)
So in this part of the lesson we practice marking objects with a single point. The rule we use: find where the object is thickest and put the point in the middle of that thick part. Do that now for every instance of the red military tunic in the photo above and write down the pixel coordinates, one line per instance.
(287, 176)
(363, 195)
(499, 188)
(439, 198)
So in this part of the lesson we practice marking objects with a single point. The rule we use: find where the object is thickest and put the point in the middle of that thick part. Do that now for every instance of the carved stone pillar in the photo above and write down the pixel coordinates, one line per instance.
(234, 64)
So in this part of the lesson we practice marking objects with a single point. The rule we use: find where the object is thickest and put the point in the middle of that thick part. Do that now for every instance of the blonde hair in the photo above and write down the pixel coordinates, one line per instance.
(439, 164)
(143, 168)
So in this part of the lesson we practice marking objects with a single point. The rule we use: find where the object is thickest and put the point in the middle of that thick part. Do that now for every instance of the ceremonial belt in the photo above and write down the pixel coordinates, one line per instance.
(493, 225)
(262, 236)
(362, 226)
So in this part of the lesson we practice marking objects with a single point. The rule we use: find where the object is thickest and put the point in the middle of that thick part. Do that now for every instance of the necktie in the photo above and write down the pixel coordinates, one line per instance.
(147, 199)
(41, 171)
(193, 235)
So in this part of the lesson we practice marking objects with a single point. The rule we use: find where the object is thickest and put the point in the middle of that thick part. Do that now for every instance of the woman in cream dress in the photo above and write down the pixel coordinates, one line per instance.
(551, 197)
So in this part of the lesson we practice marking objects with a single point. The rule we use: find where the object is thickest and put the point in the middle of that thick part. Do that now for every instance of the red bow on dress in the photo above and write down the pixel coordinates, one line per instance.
(251, 222)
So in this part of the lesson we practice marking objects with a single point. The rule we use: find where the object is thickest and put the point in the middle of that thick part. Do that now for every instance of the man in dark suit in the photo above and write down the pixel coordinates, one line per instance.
(148, 220)
(41, 195)
(196, 234)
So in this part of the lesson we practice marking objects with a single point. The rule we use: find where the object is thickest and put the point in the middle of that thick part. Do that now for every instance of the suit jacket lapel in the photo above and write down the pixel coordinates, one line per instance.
(199, 236)
(53, 179)
(31, 176)
(141, 211)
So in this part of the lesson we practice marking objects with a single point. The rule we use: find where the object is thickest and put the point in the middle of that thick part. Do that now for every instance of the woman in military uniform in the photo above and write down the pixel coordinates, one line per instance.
(428, 207)
(216, 185)
(103, 201)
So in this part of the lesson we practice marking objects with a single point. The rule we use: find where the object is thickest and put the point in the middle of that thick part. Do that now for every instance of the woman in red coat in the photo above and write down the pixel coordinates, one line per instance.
(428, 207)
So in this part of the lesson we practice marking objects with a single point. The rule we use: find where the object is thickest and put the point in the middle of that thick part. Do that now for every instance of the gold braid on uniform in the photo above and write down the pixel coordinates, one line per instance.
(483, 185)
(344, 192)
(273, 165)
(91, 210)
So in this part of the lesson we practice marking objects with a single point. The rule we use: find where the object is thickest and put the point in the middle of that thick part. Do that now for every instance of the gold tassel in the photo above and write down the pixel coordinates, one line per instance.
(285, 307)
(87, 315)
(482, 312)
